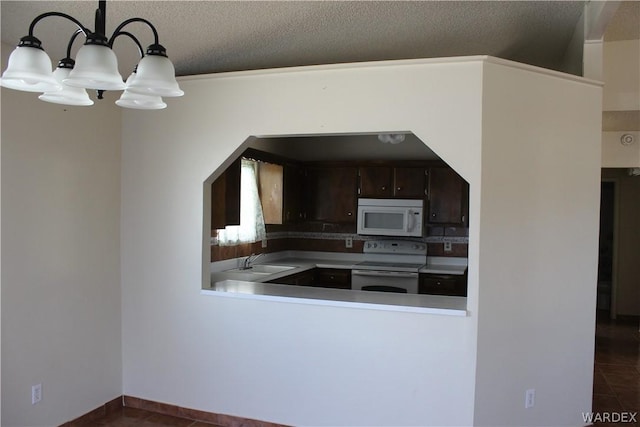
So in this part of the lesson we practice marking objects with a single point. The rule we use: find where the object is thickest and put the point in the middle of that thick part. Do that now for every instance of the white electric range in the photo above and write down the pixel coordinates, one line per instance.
(389, 266)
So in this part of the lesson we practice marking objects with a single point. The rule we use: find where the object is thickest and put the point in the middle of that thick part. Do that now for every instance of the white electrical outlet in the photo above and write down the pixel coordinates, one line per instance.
(348, 242)
(264, 243)
(530, 398)
(447, 247)
(36, 393)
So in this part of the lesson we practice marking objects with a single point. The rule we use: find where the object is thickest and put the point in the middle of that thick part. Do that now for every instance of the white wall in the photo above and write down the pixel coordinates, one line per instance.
(621, 71)
(61, 314)
(538, 248)
(305, 365)
(287, 363)
(617, 155)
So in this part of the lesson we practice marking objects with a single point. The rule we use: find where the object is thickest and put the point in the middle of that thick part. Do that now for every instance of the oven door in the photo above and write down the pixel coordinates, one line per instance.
(386, 281)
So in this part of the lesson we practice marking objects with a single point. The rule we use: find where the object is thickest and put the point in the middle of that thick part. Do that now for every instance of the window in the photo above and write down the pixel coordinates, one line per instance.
(251, 228)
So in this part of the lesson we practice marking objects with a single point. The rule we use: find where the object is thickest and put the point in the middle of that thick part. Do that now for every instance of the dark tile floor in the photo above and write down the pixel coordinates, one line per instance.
(132, 417)
(616, 380)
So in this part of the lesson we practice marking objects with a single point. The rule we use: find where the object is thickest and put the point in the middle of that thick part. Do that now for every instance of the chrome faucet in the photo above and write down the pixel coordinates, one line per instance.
(248, 261)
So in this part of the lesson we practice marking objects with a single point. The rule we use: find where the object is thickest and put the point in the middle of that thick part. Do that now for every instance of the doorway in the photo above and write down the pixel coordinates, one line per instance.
(604, 302)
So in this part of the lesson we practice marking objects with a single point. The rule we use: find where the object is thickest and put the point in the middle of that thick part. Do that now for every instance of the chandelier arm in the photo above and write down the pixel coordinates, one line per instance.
(73, 38)
(38, 18)
(131, 36)
(129, 21)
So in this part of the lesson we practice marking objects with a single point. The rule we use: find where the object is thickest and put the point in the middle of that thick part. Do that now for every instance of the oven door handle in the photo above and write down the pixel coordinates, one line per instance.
(382, 273)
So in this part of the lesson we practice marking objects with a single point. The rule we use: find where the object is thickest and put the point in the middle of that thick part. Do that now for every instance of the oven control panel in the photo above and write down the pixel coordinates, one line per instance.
(404, 247)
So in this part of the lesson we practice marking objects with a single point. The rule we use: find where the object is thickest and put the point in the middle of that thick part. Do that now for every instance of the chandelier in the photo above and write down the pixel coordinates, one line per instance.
(95, 67)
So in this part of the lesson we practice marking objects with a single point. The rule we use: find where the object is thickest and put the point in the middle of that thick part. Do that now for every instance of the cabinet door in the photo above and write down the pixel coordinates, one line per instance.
(409, 183)
(332, 193)
(294, 185)
(448, 197)
(332, 278)
(304, 278)
(225, 198)
(442, 284)
(376, 181)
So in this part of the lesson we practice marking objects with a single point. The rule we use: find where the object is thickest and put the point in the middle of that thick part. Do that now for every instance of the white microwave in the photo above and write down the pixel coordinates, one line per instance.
(390, 217)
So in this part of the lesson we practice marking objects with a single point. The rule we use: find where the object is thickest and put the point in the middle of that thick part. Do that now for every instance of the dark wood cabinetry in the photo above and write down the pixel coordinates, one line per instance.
(225, 198)
(448, 197)
(304, 278)
(332, 193)
(328, 192)
(332, 278)
(409, 183)
(320, 277)
(443, 284)
(294, 194)
(376, 181)
(385, 182)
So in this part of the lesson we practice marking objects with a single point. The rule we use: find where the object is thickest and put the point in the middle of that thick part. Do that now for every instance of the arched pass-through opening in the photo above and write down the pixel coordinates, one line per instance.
(308, 192)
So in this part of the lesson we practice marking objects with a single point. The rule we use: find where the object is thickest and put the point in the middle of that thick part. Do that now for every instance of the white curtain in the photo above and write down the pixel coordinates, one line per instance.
(251, 228)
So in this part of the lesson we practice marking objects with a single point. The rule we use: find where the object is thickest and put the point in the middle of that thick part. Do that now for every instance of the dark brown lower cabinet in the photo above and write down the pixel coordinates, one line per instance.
(443, 284)
(319, 277)
(304, 278)
(336, 278)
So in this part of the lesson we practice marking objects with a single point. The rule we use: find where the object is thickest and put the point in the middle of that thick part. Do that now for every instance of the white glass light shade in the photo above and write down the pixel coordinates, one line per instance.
(29, 70)
(96, 68)
(155, 76)
(68, 95)
(140, 101)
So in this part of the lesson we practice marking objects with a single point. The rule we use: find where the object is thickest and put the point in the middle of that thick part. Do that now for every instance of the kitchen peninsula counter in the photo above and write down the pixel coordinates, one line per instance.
(241, 284)
(386, 301)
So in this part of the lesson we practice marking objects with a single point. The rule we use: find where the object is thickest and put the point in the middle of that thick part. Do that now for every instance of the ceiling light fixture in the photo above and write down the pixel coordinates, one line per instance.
(626, 139)
(95, 67)
(391, 138)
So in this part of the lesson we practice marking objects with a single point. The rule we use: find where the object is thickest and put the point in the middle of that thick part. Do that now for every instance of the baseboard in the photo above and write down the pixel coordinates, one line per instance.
(108, 408)
(118, 403)
(222, 420)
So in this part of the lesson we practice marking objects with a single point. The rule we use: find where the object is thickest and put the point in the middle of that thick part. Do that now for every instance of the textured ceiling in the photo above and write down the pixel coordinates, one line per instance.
(212, 36)
(217, 36)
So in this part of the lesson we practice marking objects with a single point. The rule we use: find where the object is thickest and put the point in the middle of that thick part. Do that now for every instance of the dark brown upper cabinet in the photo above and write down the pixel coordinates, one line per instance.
(448, 198)
(331, 193)
(295, 179)
(225, 198)
(385, 182)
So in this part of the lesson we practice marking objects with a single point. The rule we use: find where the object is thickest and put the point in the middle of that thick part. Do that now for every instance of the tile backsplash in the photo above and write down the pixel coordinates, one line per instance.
(337, 242)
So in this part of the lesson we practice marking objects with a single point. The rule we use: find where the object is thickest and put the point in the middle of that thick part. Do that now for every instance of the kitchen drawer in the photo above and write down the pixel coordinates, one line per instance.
(442, 284)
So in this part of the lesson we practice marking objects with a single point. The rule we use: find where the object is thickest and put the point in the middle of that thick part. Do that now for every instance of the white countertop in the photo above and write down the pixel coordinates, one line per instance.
(241, 284)
(445, 265)
(387, 301)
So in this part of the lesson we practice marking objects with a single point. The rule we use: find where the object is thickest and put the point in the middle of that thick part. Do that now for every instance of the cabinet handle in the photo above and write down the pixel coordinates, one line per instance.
(462, 218)
(349, 213)
(433, 215)
(384, 187)
(399, 188)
